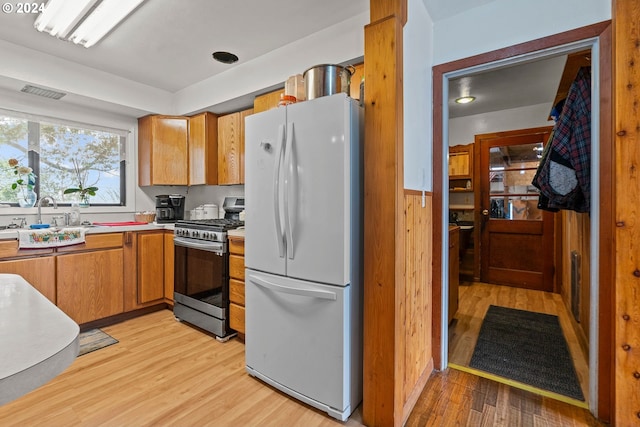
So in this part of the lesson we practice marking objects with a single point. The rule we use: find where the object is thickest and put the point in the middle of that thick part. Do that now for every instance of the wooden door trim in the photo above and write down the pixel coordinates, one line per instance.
(602, 31)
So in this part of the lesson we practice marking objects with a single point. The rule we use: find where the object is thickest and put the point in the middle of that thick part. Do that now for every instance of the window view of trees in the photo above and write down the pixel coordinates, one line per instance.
(62, 157)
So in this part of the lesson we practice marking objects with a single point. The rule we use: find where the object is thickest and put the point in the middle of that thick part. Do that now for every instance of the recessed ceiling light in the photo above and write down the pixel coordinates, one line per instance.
(225, 57)
(465, 99)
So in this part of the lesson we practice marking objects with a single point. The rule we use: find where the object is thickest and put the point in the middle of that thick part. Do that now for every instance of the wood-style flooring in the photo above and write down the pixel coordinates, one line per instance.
(474, 300)
(166, 373)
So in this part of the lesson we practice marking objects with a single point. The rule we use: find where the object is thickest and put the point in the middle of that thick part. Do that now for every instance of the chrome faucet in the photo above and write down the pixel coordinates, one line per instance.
(55, 206)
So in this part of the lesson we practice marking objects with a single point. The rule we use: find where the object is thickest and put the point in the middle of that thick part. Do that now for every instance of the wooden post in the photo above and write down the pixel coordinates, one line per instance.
(626, 36)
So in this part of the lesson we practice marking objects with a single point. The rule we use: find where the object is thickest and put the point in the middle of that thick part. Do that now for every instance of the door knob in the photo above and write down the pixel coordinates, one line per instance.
(485, 212)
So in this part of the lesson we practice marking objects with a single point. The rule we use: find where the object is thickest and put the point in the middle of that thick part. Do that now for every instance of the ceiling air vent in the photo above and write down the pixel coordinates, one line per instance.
(34, 90)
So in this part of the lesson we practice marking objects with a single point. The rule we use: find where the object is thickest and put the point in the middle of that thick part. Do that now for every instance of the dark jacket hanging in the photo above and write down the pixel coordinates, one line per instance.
(564, 173)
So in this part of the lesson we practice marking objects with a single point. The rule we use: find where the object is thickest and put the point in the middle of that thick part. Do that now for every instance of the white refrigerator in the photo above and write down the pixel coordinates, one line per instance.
(303, 247)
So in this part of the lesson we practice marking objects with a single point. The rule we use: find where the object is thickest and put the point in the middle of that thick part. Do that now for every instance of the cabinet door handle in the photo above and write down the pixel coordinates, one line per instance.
(127, 238)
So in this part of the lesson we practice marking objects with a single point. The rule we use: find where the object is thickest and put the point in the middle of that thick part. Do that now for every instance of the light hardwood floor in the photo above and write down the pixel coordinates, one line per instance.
(161, 373)
(474, 302)
(166, 373)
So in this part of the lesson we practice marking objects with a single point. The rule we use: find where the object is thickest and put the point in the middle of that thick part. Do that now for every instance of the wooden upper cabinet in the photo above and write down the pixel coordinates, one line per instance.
(461, 162)
(163, 150)
(203, 149)
(231, 148)
(267, 101)
(243, 115)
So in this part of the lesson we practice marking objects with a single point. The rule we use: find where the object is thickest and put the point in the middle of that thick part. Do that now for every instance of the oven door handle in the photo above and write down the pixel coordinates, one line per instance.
(217, 248)
(311, 293)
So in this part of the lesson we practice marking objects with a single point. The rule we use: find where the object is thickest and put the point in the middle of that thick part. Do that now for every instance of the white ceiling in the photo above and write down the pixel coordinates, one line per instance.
(167, 45)
(513, 86)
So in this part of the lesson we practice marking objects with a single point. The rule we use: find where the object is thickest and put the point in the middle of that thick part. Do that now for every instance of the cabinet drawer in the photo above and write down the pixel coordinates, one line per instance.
(95, 241)
(236, 245)
(236, 291)
(236, 267)
(236, 317)
(9, 249)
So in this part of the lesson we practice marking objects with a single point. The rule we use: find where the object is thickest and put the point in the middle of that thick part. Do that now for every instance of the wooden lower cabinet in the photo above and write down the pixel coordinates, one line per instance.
(38, 271)
(454, 270)
(144, 269)
(150, 254)
(111, 273)
(236, 284)
(90, 284)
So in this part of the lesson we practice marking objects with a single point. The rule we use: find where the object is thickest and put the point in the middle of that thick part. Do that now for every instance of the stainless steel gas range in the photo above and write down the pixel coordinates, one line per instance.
(201, 284)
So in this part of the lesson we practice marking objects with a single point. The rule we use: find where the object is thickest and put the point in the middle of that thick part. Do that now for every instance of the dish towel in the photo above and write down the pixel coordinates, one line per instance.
(50, 238)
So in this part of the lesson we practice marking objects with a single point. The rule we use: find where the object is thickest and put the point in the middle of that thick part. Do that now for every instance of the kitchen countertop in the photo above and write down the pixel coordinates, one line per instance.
(12, 234)
(238, 232)
(38, 340)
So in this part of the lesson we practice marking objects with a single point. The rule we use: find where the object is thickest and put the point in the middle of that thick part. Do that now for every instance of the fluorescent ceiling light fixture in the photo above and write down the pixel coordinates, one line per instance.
(59, 17)
(86, 20)
(465, 99)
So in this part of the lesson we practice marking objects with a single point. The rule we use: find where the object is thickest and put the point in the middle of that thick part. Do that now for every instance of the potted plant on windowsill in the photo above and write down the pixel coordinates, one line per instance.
(83, 194)
(83, 189)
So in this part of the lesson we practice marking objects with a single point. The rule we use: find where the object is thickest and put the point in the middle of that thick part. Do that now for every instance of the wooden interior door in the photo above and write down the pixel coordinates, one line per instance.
(516, 238)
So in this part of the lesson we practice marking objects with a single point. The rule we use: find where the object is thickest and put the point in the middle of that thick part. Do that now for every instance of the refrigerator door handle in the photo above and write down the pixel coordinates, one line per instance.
(311, 293)
(276, 192)
(290, 170)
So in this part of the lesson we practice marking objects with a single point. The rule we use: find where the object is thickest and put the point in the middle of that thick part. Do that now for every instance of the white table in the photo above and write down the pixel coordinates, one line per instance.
(37, 340)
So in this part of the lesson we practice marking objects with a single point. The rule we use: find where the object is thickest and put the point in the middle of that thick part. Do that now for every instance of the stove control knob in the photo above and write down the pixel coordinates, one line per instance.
(205, 235)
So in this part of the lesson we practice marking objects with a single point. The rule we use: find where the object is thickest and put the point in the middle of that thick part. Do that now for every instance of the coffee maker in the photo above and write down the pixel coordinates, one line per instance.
(169, 208)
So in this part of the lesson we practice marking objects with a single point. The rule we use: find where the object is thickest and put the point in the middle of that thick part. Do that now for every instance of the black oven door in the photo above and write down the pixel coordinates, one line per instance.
(201, 276)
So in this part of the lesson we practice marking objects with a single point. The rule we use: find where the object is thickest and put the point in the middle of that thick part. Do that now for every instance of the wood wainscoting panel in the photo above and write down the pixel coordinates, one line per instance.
(418, 348)
(576, 239)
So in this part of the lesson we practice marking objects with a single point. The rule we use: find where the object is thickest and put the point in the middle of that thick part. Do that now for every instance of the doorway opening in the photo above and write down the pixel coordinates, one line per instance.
(588, 38)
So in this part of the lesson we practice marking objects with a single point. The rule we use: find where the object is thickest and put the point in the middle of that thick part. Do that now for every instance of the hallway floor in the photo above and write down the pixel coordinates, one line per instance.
(456, 398)
(474, 302)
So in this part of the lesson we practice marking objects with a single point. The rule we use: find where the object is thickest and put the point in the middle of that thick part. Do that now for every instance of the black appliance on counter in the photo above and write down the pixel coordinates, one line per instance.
(232, 207)
(201, 274)
(169, 208)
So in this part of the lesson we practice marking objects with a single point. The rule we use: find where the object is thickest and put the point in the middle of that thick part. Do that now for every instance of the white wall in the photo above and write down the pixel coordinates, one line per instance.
(504, 23)
(418, 141)
(492, 26)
